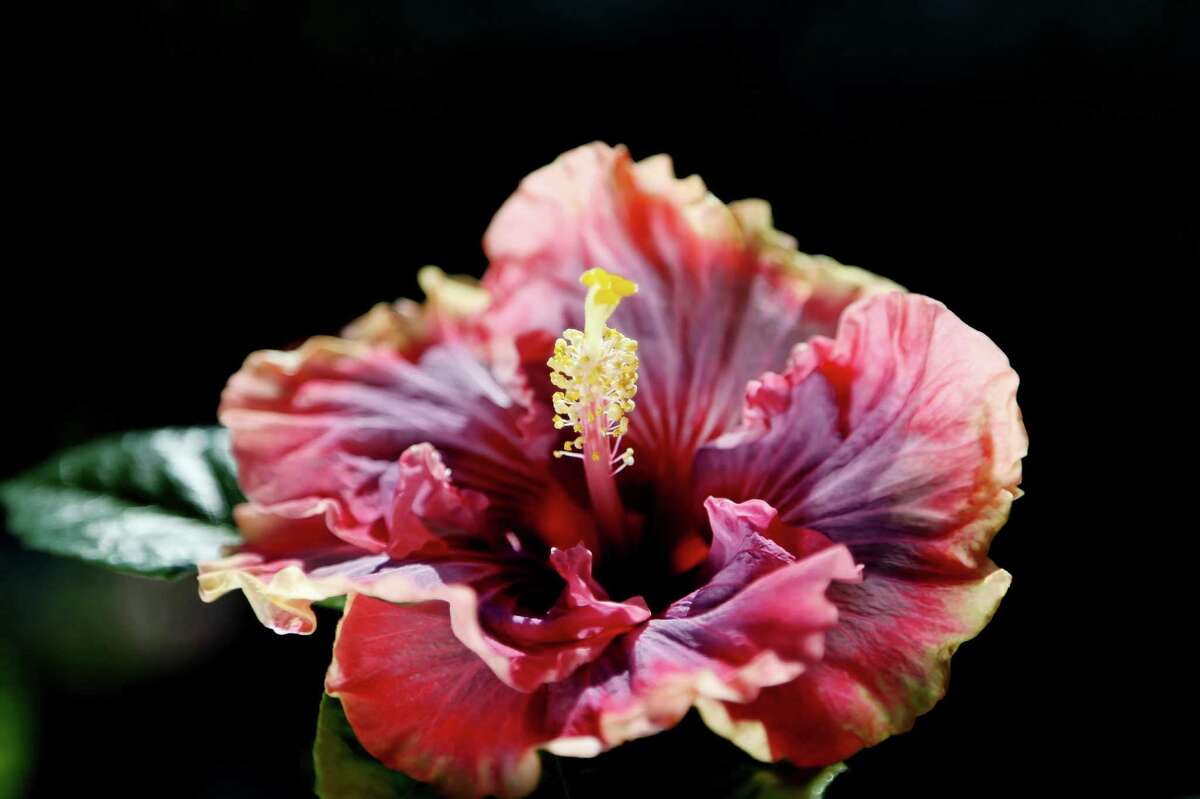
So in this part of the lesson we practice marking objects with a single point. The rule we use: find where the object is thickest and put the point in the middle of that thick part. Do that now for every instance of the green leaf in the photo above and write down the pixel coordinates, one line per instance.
(686, 761)
(337, 603)
(151, 503)
(345, 770)
(778, 783)
(16, 734)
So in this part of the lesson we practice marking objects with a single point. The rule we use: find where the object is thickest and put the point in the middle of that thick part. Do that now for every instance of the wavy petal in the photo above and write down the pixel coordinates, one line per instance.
(548, 646)
(722, 296)
(288, 563)
(324, 428)
(758, 621)
(492, 597)
(408, 685)
(408, 328)
(886, 662)
(901, 439)
(426, 510)
(264, 567)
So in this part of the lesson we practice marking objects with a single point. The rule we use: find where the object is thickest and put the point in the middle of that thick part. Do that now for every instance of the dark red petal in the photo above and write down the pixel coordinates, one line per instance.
(424, 704)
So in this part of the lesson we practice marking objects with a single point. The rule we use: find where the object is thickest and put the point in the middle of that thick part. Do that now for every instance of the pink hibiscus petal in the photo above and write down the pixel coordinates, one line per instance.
(422, 702)
(288, 563)
(886, 662)
(426, 509)
(901, 439)
(721, 298)
(758, 621)
(408, 465)
(293, 562)
(548, 646)
(324, 428)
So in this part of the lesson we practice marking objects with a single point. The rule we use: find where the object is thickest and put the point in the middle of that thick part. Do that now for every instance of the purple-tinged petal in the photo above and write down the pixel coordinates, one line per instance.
(759, 621)
(887, 661)
(321, 429)
(422, 702)
(492, 596)
(901, 439)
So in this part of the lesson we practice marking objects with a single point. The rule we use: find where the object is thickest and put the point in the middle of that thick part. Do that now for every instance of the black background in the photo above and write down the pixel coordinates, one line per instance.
(199, 180)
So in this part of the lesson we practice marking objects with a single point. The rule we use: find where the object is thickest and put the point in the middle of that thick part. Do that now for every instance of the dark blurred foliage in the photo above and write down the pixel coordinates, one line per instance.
(198, 180)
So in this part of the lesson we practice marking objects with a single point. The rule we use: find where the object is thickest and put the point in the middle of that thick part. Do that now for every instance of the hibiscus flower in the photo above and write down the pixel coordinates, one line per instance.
(658, 459)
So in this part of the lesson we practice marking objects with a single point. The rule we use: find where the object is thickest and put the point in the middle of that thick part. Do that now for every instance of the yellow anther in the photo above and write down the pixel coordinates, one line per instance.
(595, 370)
